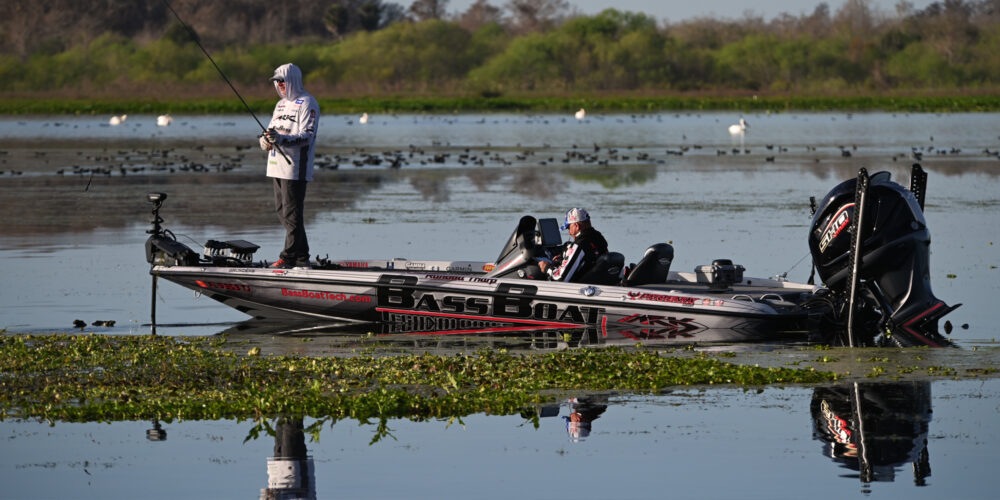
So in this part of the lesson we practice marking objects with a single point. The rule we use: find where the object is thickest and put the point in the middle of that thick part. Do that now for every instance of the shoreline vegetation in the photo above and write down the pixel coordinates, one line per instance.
(376, 56)
(938, 103)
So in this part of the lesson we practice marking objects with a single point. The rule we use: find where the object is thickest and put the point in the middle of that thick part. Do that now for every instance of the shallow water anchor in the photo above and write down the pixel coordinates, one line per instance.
(853, 280)
(918, 184)
(152, 308)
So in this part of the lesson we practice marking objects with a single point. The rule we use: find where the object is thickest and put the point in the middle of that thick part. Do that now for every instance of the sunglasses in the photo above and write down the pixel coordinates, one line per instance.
(279, 80)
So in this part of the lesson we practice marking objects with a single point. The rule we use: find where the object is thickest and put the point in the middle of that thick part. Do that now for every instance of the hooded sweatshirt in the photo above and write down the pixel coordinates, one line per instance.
(296, 119)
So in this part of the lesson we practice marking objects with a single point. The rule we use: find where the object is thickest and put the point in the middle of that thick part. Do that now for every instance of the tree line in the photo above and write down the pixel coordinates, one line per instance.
(522, 46)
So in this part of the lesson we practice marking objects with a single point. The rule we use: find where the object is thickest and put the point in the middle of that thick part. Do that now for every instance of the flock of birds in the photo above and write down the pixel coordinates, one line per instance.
(161, 121)
(581, 114)
(436, 154)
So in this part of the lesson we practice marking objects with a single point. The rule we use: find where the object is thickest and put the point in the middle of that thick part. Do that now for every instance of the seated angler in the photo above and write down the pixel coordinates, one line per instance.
(581, 254)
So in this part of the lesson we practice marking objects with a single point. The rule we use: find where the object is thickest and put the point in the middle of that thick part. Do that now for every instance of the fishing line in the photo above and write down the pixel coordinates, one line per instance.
(796, 264)
(194, 38)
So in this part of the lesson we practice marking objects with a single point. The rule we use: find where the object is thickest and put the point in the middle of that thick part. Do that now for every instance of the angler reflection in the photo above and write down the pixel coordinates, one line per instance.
(582, 413)
(290, 472)
(875, 428)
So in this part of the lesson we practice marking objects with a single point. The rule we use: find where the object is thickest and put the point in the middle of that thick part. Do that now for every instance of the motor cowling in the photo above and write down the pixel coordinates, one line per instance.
(895, 255)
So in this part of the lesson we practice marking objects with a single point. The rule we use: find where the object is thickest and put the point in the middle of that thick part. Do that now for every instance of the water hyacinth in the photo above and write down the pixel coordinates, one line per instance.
(110, 378)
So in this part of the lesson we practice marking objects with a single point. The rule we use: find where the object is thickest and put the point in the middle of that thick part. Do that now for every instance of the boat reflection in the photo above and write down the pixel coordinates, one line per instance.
(870, 429)
(874, 428)
(287, 337)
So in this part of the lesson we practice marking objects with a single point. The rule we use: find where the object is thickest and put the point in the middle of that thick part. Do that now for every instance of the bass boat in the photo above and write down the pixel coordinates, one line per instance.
(868, 238)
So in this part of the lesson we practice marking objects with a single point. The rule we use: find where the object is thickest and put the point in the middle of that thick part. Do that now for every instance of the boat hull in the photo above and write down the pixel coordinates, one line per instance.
(446, 302)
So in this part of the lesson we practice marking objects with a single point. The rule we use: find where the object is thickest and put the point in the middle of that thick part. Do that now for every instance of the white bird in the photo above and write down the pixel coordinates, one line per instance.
(364, 119)
(739, 128)
(164, 120)
(117, 120)
(580, 114)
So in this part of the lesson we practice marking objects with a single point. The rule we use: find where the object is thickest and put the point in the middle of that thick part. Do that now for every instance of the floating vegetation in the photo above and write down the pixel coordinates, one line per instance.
(110, 378)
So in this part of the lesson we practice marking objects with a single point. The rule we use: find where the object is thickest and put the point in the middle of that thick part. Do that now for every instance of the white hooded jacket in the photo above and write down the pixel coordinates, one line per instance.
(296, 119)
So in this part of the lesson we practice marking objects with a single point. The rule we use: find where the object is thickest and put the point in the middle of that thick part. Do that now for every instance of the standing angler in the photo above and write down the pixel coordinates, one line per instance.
(290, 141)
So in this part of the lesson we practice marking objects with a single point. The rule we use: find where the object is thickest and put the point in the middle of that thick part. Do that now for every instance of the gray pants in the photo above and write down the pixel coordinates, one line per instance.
(289, 200)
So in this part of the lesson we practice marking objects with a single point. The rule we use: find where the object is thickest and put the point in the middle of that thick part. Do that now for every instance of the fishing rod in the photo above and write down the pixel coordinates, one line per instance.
(194, 38)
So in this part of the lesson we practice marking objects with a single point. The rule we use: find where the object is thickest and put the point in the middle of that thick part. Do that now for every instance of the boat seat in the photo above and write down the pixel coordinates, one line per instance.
(653, 268)
(607, 270)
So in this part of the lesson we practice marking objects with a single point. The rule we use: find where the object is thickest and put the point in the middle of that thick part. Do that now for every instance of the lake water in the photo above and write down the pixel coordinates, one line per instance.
(919, 440)
(74, 215)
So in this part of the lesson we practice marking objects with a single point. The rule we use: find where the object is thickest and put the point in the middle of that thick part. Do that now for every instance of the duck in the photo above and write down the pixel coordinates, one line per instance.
(739, 128)
(364, 118)
(581, 114)
(164, 120)
(117, 120)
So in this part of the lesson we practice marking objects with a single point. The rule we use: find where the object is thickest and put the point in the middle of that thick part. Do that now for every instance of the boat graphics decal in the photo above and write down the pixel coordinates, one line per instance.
(837, 224)
(223, 286)
(657, 297)
(660, 327)
(352, 264)
(450, 324)
(332, 296)
(511, 302)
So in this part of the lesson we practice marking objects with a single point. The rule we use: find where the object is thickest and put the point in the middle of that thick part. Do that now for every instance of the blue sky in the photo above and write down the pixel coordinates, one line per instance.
(673, 11)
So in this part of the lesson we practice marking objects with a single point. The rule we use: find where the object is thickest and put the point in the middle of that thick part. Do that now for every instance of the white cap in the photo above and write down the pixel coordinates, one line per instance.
(575, 215)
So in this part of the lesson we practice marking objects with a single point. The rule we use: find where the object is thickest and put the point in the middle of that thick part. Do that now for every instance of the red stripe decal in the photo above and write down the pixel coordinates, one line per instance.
(498, 329)
(482, 318)
(914, 332)
(925, 313)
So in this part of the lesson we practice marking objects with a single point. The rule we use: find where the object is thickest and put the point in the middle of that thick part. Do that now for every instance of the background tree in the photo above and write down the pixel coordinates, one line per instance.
(531, 16)
(370, 15)
(336, 19)
(480, 14)
(429, 9)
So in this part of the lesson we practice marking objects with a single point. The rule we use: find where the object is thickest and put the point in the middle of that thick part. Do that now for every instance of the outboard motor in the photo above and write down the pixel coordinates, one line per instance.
(893, 270)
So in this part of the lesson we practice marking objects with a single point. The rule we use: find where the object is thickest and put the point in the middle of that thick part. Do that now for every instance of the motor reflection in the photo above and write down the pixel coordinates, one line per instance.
(874, 428)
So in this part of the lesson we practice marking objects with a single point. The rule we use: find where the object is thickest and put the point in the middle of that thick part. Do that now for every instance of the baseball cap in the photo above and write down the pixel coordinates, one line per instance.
(574, 215)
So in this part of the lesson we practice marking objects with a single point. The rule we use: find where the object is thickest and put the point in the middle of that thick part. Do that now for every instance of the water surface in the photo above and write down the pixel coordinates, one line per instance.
(74, 216)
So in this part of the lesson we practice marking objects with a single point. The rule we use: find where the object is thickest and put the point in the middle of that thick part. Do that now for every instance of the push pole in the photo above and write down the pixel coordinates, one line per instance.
(860, 198)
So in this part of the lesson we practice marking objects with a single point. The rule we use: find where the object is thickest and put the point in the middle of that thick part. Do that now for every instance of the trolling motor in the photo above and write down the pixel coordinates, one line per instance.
(871, 247)
(162, 247)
